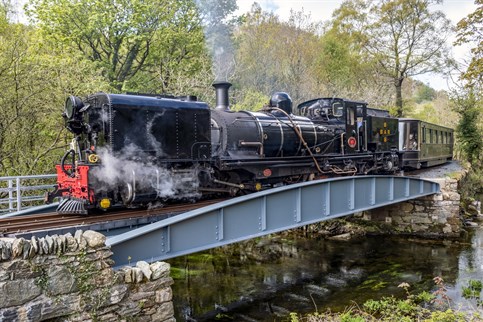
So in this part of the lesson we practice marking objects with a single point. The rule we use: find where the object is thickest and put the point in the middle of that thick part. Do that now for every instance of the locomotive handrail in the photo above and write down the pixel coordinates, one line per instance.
(12, 188)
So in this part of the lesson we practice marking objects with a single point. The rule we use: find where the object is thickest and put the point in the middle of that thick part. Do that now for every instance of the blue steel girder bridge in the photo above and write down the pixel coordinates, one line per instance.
(263, 213)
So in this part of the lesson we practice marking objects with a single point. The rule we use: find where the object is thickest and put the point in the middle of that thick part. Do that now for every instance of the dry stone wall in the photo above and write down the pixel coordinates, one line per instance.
(70, 278)
(432, 216)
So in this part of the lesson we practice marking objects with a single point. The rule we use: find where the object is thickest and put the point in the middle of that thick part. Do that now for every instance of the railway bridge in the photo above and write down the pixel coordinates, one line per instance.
(165, 233)
(263, 213)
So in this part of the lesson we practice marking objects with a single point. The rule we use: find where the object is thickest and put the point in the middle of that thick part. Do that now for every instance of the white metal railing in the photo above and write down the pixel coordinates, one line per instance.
(21, 192)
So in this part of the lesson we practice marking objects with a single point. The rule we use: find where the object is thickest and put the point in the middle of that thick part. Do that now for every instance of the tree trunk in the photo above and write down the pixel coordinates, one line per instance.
(399, 101)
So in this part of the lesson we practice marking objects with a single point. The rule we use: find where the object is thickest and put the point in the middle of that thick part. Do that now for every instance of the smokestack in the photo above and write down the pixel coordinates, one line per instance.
(221, 88)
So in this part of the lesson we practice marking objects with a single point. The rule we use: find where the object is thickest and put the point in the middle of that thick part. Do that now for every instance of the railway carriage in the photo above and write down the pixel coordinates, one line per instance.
(424, 144)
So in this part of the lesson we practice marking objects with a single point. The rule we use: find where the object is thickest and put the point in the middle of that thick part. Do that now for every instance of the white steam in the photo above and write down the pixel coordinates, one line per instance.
(218, 40)
(135, 167)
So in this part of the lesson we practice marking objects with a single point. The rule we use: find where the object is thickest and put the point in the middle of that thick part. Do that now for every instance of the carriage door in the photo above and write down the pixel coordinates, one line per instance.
(351, 129)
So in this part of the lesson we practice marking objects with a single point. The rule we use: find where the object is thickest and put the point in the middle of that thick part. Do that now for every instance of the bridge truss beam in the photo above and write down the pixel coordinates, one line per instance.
(263, 213)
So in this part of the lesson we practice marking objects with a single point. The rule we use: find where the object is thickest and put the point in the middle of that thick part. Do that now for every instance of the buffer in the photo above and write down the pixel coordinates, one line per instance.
(263, 213)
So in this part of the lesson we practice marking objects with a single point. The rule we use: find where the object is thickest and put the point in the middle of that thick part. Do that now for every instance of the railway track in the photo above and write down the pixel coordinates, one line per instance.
(49, 221)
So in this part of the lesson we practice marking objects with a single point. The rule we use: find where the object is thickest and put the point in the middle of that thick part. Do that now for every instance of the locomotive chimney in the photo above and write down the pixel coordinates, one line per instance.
(221, 88)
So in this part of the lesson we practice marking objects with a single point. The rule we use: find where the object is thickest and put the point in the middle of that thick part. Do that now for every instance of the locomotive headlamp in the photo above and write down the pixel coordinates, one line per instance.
(72, 105)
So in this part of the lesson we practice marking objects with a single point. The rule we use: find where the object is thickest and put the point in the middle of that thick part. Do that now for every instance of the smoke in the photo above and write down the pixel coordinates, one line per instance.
(218, 38)
(134, 166)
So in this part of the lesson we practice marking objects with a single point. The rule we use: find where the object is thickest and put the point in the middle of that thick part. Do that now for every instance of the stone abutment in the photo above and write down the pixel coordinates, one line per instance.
(70, 278)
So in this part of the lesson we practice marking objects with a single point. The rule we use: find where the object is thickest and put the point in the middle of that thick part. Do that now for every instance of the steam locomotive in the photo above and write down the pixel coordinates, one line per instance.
(140, 150)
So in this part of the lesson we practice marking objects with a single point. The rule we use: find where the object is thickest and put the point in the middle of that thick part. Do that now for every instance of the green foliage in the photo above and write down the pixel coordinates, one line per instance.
(34, 81)
(447, 316)
(425, 112)
(468, 105)
(251, 100)
(469, 32)
(403, 36)
(472, 290)
(350, 316)
(425, 94)
(127, 37)
(276, 56)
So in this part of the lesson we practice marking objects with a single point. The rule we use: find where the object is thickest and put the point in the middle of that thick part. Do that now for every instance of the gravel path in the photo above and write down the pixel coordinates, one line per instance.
(437, 171)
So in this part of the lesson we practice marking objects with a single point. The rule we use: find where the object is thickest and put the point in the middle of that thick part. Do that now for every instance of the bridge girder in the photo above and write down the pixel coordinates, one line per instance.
(263, 213)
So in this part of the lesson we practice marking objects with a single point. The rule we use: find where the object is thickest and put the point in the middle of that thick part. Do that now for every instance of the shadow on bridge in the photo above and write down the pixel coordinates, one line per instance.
(263, 213)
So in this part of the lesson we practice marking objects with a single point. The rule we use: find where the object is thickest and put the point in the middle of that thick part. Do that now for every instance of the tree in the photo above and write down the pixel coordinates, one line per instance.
(277, 56)
(469, 107)
(403, 36)
(468, 100)
(35, 78)
(120, 35)
(470, 30)
(177, 55)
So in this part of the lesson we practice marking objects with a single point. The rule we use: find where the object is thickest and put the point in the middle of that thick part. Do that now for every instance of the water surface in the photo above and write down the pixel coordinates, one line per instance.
(265, 280)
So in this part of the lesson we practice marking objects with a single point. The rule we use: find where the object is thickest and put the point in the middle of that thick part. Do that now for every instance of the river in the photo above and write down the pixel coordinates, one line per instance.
(266, 279)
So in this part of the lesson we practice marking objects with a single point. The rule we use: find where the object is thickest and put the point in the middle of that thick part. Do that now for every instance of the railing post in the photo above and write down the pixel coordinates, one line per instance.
(19, 196)
(10, 195)
(23, 185)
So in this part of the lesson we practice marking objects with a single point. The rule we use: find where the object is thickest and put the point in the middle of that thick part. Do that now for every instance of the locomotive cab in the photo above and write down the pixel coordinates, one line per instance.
(346, 118)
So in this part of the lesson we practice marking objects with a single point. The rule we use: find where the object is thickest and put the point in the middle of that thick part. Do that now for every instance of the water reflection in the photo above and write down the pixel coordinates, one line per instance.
(266, 280)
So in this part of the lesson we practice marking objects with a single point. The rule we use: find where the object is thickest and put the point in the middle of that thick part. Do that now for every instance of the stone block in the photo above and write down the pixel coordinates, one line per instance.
(136, 296)
(31, 311)
(9, 314)
(419, 228)
(164, 295)
(20, 269)
(438, 197)
(165, 311)
(60, 281)
(447, 229)
(420, 218)
(406, 206)
(72, 244)
(94, 239)
(117, 293)
(397, 219)
(159, 269)
(419, 208)
(18, 292)
(60, 306)
(17, 247)
(156, 284)
(5, 250)
(145, 268)
(129, 309)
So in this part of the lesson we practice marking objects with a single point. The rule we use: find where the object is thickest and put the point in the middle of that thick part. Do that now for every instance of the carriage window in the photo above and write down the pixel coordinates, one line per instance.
(430, 136)
(445, 137)
(410, 136)
(423, 132)
(436, 136)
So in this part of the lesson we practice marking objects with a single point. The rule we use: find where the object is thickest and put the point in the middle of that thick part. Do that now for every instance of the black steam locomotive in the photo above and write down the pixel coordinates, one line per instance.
(140, 150)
